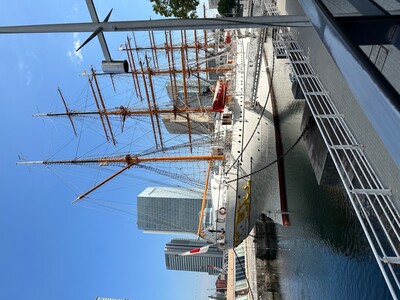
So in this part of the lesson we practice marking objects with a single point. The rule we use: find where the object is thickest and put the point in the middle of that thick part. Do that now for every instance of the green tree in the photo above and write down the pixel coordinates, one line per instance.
(176, 8)
(225, 7)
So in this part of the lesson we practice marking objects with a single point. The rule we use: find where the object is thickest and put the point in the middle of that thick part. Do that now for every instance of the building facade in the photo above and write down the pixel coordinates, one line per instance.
(169, 210)
(203, 262)
(197, 96)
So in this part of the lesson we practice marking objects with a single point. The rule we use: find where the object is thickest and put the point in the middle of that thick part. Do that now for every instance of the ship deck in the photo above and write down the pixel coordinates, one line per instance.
(253, 147)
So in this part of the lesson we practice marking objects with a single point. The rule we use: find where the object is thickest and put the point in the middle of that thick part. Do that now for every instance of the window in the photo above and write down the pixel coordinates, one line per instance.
(378, 55)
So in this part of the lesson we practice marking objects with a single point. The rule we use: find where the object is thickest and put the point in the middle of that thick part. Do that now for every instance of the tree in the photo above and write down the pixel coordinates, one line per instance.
(176, 8)
(225, 7)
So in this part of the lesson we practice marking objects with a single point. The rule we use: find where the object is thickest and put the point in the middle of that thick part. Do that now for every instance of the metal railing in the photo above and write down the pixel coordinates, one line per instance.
(371, 201)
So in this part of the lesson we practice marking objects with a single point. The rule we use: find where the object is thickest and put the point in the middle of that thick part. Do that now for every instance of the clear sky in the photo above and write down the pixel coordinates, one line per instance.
(51, 249)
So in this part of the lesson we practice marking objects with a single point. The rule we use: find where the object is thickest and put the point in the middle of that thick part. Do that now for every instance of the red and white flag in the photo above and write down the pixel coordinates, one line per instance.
(196, 250)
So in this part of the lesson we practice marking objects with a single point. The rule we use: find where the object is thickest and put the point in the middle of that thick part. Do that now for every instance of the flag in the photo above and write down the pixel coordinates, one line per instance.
(196, 250)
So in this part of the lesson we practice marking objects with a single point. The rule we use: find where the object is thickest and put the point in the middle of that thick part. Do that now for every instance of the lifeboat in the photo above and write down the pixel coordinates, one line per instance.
(228, 39)
(219, 96)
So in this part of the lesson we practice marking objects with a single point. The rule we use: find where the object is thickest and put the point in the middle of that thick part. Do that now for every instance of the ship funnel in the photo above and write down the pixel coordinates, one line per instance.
(115, 66)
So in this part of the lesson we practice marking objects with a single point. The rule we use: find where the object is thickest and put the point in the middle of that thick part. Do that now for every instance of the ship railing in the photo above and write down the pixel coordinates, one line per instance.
(254, 68)
(254, 54)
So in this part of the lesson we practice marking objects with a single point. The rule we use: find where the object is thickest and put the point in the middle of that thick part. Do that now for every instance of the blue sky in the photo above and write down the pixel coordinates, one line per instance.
(51, 249)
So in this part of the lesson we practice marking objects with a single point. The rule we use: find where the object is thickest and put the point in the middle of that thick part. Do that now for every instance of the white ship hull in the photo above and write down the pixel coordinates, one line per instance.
(248, 146)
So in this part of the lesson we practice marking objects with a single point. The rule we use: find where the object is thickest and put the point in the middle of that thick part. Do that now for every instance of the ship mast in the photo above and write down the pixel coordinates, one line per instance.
(124, 111)
(143, 76)
(128, 160)
(204, 201)
(101, 106)
(143, 72)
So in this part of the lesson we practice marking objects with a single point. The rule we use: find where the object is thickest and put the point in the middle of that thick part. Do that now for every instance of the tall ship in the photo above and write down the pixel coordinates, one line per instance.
(204, 123)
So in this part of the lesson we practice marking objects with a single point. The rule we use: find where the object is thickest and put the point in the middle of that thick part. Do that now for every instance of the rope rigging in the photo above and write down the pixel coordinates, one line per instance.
(306, 128)
(177, 176)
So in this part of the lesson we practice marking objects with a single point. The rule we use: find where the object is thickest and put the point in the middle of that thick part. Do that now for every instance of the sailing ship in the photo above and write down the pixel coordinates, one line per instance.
(204, 97)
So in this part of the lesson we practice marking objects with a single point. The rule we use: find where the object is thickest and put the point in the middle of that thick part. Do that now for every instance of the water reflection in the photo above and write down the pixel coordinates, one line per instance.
(324, 253)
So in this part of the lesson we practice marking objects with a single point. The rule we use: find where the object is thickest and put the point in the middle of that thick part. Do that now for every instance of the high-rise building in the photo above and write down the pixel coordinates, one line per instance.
(203, 262)
(169, 209)
(200, 123)
(196, 94)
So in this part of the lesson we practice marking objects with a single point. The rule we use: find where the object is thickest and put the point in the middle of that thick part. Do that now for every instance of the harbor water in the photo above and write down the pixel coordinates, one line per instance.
(323, 254)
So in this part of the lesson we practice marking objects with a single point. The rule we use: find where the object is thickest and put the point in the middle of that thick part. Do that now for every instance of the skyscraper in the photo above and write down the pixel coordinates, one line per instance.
(195, 95)
(169, 209)
(195, 263)
(190, 93)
